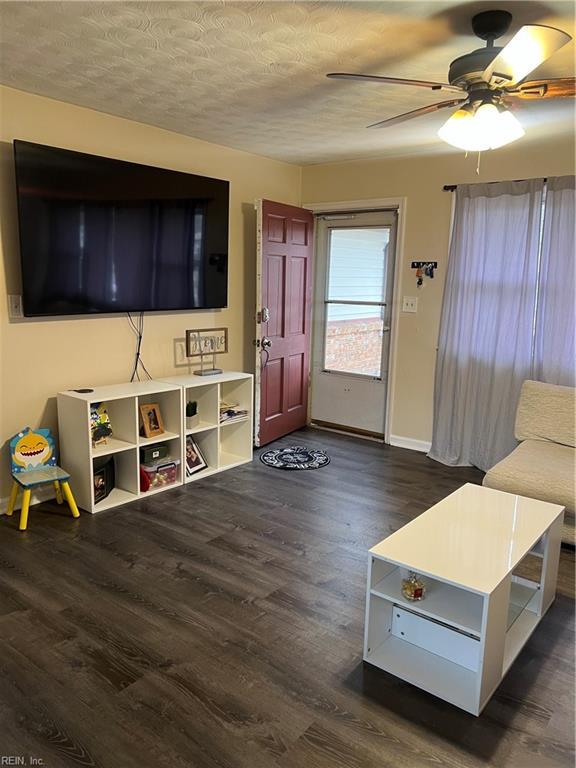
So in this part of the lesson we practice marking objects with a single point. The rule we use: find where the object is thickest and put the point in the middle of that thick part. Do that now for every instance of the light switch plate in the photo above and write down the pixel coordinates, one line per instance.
(15, 311)
(409, 304)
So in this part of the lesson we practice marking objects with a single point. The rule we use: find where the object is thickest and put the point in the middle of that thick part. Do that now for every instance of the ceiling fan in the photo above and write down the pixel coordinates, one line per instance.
(485, 82)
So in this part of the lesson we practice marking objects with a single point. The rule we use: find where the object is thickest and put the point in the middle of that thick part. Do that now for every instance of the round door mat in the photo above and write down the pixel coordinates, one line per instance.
(295, 457)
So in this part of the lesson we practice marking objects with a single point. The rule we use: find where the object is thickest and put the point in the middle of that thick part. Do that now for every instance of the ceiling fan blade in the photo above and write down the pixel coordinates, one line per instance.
(416, 113)
(531, 46)
(394, 81)
(559, 88)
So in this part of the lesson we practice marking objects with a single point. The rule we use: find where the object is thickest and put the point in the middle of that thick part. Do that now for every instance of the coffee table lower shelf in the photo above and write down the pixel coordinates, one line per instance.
(432, 673)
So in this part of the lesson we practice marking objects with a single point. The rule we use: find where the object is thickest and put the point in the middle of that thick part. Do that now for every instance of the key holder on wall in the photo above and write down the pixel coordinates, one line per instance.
(423, 269)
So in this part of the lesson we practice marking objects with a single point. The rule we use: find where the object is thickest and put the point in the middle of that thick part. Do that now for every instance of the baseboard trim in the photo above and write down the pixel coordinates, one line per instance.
(423, 446)
(37, 497)
(344, 431)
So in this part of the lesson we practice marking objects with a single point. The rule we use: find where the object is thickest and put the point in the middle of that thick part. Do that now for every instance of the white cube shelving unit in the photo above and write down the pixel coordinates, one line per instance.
(122, 401)
(224, 445)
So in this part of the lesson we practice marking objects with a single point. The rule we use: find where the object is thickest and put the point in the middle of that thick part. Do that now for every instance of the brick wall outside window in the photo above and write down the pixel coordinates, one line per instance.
(354, 345)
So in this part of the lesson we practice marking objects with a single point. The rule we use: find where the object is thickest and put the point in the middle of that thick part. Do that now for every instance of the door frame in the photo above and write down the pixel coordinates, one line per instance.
(258, 331)
(364, 206)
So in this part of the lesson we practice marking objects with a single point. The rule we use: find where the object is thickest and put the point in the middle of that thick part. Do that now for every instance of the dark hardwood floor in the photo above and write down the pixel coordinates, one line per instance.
(220, 626)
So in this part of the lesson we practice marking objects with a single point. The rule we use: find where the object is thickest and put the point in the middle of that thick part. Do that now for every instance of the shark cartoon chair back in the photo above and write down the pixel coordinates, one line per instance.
(33, 458)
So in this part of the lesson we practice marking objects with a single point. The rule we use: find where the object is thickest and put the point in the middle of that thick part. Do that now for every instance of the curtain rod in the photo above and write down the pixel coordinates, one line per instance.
(452, 187)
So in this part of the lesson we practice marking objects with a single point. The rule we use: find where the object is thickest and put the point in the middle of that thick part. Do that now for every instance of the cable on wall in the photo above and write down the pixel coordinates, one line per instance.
(137, 326)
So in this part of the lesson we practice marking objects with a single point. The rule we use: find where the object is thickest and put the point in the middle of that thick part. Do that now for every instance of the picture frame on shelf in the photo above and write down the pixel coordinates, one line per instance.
(152, 423)
(195, 461)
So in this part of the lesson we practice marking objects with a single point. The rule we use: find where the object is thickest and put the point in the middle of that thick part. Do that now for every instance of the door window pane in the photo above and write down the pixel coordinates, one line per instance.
(353, 342)
(357, 267)
(357, 264)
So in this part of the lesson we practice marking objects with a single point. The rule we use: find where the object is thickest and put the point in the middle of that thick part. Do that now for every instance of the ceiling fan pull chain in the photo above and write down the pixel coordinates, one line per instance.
(478, 165)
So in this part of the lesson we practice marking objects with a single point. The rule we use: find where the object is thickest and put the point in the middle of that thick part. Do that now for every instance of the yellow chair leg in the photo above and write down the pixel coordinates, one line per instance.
(24, 510)
(58, 490)
(70, 499)
(13, 497)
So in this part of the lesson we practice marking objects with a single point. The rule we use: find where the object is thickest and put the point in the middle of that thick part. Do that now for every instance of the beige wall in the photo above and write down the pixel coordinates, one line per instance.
(39, 358)
(420, 180)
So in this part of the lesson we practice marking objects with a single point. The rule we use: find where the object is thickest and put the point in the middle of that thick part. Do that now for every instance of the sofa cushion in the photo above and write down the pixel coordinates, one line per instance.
(546, 412)
(540, 470)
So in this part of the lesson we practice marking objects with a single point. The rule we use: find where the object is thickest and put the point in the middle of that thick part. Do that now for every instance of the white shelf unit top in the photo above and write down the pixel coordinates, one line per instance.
(450, 540)
(190, 380)
(118, 391)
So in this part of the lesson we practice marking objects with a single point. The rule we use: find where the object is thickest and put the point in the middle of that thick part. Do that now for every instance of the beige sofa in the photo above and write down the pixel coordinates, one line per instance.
(543, 466)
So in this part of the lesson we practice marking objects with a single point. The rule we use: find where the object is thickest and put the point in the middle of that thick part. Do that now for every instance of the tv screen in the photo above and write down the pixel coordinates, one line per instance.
(103, 235)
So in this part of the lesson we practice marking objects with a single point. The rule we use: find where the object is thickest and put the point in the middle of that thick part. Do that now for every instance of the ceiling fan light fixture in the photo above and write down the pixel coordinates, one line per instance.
(461, 131)
(489, 127)
(508, 129)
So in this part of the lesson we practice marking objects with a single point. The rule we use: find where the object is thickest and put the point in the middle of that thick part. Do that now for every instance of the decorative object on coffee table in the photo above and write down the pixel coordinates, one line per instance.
(413, 588)
(152, 423)
(295, 457)
(207, 342)
(192, 415)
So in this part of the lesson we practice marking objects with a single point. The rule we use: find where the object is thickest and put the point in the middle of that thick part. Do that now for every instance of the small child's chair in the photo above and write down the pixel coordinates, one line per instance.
(33, 458)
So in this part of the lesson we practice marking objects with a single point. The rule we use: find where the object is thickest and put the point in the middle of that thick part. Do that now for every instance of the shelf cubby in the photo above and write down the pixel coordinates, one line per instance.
(443, 602)
(206, 398)
(235, 443)
(239, 392)
(208, 443)
(122, 404)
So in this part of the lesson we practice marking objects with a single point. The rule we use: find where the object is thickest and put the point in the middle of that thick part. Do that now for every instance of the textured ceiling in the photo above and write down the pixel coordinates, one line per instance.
(251, 75)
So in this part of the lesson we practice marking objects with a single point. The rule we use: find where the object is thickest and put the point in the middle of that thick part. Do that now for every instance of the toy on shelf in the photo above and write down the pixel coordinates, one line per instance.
(33, 459)
(100, 427)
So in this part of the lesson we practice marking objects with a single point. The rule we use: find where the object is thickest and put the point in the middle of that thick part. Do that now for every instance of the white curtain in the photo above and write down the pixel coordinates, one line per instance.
(486, 332)
(554, 349)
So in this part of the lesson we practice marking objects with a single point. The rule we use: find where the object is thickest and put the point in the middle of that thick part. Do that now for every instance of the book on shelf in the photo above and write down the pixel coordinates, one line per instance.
(231, 412)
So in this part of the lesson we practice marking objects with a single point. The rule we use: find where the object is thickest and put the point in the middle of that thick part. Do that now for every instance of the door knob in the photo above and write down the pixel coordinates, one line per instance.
(266, 343)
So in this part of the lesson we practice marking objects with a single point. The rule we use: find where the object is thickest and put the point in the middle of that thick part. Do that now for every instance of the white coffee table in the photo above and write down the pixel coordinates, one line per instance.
(460, 640)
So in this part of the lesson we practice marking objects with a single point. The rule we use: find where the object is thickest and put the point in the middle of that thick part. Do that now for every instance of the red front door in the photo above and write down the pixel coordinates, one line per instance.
(283, 328)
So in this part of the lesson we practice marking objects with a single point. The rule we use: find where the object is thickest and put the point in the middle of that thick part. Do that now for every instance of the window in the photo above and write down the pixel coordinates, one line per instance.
(355, 300)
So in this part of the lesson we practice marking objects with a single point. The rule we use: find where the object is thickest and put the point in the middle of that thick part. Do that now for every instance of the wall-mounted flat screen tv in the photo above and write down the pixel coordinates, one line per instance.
(99, 235)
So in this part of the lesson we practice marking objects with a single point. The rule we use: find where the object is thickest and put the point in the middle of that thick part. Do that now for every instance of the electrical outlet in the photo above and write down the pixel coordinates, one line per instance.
(409, 304)
(15, 307)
